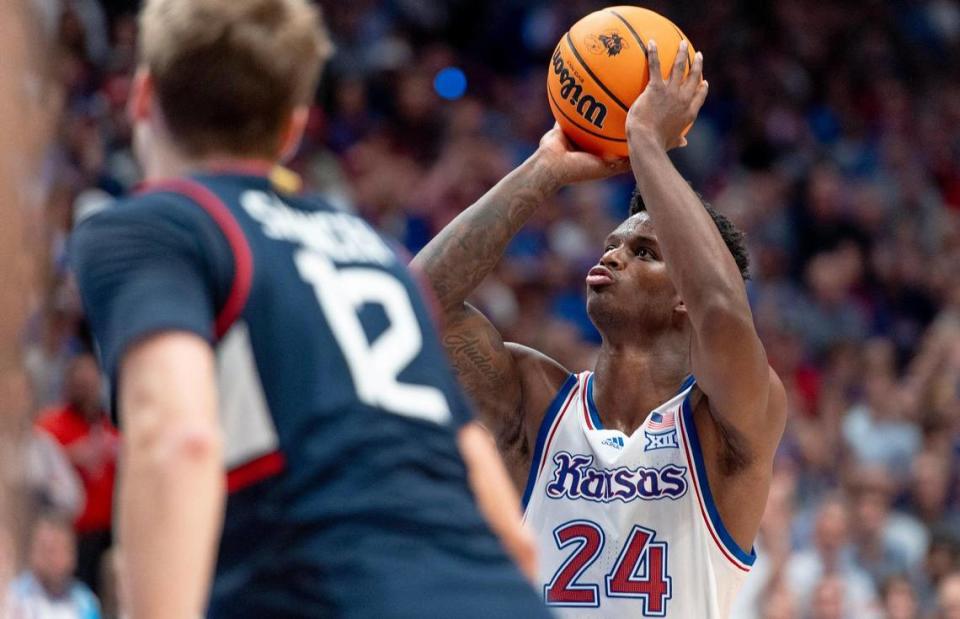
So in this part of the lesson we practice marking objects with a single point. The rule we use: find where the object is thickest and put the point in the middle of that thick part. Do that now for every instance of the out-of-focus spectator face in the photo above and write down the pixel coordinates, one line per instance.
(825, 192)
(871, 491)
(53, 554)
(871, 509)
(941, 559)
(931, 479)
(828, 602)
(779, 604)
(827, 279)
(948, 597)
(900, 600)
(830, 533)
(83, 385)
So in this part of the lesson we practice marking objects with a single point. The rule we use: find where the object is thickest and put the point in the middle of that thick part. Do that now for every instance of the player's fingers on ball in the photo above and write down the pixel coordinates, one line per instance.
(696, 73)
(617, 166)
(653, 63)
(699, 97)
(679, 63)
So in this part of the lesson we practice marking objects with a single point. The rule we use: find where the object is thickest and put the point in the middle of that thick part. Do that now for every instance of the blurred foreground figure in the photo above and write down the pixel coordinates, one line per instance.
(28, 105)
(213, 291)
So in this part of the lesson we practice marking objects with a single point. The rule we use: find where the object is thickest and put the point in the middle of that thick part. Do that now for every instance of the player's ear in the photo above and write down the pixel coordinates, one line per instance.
(141, 96)
(293, 132)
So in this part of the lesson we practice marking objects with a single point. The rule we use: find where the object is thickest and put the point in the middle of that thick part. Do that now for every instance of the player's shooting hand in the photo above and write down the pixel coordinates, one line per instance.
(567, 164)
(667, 107)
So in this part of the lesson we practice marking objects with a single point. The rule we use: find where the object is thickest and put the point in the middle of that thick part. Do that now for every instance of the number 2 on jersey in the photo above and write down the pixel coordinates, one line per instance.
(374, 366)
(640, 571)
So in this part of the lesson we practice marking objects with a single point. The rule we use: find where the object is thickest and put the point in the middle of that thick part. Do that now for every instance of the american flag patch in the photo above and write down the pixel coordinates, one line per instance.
(659, 422)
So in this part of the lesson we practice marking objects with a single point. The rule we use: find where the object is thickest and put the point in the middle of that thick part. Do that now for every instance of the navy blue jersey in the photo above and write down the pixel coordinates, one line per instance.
(348, 496)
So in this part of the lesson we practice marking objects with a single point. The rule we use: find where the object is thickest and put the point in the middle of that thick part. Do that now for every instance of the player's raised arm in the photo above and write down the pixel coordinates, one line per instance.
(497, 376)
(727, 357)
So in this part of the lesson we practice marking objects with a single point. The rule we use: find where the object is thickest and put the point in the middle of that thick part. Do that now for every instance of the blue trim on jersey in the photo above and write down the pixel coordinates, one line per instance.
(591, 407)
(548, 418)
(729, 543)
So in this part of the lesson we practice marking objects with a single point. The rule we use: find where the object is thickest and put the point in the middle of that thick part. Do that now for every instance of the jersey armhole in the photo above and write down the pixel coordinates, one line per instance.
(718, 531)
(545, 434)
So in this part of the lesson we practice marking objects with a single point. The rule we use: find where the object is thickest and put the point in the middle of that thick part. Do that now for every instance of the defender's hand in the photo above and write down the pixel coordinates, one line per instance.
(567, 164)
(667, 107)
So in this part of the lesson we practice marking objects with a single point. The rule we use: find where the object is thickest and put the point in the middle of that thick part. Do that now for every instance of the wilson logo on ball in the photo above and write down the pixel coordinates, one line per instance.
(609, 43)
(571, 90)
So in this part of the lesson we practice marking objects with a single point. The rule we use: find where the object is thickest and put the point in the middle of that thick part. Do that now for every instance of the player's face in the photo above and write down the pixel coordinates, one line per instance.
(630, 285)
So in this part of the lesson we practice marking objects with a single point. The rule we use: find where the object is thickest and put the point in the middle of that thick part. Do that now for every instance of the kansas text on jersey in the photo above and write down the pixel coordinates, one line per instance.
(626, 525)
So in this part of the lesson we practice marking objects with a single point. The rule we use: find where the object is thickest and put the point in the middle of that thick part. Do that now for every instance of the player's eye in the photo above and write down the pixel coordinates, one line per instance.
(643, 252)
(608, 248)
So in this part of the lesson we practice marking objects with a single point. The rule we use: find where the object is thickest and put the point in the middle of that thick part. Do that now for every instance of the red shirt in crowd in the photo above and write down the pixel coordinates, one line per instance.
(92, 449)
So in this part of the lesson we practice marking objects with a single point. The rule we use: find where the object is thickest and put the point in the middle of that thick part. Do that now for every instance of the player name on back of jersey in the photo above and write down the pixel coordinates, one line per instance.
(341, 237)
(574, 478)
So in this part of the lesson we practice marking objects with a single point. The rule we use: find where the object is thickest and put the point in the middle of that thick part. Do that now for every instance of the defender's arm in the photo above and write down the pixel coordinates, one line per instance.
(496, 497)
(726, 354)
(171, 492)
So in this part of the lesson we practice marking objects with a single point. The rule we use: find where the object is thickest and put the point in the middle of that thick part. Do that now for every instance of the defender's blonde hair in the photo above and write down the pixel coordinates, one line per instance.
(229, 72)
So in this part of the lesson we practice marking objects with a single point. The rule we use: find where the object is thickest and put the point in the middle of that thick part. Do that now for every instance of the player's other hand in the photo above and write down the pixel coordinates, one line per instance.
(667, 107)
(566, 164)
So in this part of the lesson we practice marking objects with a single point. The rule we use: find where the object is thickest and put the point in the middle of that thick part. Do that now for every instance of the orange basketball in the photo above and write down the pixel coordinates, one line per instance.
(600, 67)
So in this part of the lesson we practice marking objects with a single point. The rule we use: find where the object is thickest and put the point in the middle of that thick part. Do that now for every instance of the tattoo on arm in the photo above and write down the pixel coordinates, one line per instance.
(458, 259)
(469, 358)
(487, 372)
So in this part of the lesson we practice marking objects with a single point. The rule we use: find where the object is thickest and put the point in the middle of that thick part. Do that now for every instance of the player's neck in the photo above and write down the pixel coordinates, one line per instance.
(630, 380)
(165, 162)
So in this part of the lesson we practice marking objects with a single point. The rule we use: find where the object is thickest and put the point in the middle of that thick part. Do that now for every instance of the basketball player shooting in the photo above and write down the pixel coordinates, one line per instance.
(297, 451)
(644, 480)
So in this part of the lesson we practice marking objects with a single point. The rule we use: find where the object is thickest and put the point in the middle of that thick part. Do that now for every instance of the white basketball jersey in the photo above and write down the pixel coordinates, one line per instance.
(626, 525)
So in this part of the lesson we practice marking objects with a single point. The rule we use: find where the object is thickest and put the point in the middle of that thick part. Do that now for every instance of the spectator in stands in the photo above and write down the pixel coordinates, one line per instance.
(878, 429)
(51, 480)
(810, 573)
(948, 597)
(886, 542)
(899, 599)
(84, 430)
(48, 590)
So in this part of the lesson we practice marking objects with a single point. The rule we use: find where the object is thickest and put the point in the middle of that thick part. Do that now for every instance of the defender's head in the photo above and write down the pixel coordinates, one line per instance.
(225, 79)
(630, 289)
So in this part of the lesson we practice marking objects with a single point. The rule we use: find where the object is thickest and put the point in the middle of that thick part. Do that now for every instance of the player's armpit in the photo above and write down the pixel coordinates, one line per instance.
(172, 488)
(497, 499)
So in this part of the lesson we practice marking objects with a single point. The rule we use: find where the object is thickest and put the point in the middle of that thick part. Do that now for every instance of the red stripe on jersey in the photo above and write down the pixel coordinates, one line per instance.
(242, 256)
(256, 470)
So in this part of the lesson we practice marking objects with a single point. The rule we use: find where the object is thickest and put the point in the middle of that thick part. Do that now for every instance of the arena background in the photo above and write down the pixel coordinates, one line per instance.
(831, 135)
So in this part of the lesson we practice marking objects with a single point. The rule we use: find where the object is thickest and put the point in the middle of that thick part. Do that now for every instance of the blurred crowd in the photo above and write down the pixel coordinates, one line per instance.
(831, 136)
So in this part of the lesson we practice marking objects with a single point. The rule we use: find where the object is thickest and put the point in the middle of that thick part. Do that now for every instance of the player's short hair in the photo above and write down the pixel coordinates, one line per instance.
(732, 236)
(228, 73)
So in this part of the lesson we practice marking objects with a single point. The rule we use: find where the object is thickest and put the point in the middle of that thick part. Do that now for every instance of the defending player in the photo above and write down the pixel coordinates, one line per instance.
(339, 418)
(646, 478)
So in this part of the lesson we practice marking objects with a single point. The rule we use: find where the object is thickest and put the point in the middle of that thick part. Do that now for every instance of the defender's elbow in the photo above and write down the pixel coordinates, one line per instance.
(175, 446)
